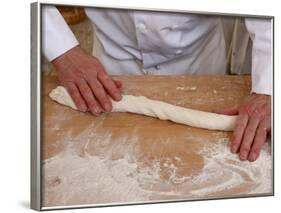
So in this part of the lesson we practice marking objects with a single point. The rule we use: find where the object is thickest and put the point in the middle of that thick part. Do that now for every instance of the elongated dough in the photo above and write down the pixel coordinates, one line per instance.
(158, 109)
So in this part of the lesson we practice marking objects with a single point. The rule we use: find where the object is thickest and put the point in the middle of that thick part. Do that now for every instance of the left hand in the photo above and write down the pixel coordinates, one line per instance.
(252, 125)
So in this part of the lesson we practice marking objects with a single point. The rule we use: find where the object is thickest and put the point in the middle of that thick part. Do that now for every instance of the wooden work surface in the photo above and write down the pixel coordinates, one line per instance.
(161, 158)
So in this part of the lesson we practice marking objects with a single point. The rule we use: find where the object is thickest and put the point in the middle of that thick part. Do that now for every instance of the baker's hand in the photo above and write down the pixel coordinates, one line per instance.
(252, 125)
(86, 81)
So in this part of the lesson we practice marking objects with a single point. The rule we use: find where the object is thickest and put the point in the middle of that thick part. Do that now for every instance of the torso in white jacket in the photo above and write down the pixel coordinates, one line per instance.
(143, 42)
(159, 43)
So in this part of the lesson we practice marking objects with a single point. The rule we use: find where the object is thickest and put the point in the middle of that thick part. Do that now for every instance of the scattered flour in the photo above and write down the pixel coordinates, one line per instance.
(72, 177)
(231, 173)
(191, 88)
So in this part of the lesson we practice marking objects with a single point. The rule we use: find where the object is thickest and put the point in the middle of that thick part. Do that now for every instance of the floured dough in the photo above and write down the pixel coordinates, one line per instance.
(61, 96)
(158, 109)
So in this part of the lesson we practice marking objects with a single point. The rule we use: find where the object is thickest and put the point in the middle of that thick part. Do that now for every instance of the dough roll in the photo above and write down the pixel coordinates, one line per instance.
(164, 111)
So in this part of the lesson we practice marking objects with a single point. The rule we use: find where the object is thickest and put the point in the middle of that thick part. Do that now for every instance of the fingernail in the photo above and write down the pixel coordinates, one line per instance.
(107, 107)
(243, 155)
(233, 149)
(83, 108)
(117, 95)
(253, 156)
(97, 110)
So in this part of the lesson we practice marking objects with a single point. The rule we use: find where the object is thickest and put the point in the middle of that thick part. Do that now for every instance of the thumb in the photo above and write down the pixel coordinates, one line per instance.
(118, 84)
(227, 111)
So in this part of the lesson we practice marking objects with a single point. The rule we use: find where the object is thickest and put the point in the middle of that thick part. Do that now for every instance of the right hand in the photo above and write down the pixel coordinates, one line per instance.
(87, 81)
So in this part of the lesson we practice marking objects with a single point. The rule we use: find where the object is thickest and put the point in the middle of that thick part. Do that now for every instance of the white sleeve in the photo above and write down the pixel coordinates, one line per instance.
(57, 38)
(260, 31)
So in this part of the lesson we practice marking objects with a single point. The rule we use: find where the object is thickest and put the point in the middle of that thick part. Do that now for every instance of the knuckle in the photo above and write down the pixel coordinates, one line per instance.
(251, 111)
(235, 143)
(113, 89)
(243, 110)
(245, 148)
(234, 139)
(94, 88)
(250, 129)
(108, 84)
(95, 85)
(237, 135)
(79, 103)
(88, 97)
(100, 93)
(256, 149)
(92, 104)
(107, 80)
(101, 73)
(262, 127)
(76, 97)
(104, 100)
(84, 90)
(242, 118)
(256, 114)
(105, 76)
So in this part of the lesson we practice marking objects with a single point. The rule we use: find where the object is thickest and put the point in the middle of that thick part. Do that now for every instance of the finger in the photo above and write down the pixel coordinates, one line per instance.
(238, 131)
(251, 108)
(260, 139)
(101, 95)
(76, 96)
(118, 83)
(89, 97)
(248, 137)
(229, 111)
(110, 86)
(267, 122)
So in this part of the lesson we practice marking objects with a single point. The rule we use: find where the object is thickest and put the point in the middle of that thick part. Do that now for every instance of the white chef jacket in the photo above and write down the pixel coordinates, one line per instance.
(158, 43)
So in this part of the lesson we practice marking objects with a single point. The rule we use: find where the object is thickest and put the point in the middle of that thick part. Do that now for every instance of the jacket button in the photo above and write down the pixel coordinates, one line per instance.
(174, 27)
(141, 27)
(178, 52)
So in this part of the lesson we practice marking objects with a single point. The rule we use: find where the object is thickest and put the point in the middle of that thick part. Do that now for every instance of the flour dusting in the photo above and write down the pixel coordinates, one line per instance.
(230, 173)
(188, 88)
(84, 177)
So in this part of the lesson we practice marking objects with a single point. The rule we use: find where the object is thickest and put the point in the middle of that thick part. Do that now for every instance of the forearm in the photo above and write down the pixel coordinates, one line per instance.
(260, 31)
(57, 38)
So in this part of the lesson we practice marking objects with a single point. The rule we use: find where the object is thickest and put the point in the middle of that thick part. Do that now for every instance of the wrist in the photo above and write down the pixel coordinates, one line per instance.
(66, 56)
